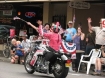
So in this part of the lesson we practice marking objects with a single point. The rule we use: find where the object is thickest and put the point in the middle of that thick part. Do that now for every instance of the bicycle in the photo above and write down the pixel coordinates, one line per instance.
(7, 46)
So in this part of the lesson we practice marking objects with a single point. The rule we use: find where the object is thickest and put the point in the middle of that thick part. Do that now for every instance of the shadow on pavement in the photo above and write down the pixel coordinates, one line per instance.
(37, 75)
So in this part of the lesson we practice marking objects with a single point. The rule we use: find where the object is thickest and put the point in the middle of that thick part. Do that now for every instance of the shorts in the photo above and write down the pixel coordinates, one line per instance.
(12, 55)
(103, 60)
(21, 57)
(97, 46)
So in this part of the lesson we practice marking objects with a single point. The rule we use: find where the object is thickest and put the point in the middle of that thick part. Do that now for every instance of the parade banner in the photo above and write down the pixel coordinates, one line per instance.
(69, 48)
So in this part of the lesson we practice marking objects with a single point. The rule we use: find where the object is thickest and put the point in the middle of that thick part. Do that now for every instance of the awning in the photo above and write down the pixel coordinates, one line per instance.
(10, 1)
(3, 1)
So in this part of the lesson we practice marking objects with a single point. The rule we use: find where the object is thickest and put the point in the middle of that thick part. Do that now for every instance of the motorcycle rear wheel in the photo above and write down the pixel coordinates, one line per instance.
(28, 67)
(60, 71)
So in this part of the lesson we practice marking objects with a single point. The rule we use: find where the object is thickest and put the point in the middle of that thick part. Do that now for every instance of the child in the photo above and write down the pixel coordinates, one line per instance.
(19, 51)
(14, 58)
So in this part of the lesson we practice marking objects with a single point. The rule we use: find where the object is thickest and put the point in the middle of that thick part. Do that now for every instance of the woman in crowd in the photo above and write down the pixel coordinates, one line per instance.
(54, 38)
(46, 28)
(79, 38)
(90, 41)
(82, 39)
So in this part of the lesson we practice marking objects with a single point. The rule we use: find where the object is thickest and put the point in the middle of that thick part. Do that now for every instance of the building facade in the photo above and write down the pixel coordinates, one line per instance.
(57, 10)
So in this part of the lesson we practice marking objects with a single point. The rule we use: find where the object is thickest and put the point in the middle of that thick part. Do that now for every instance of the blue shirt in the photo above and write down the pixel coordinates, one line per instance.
(19, 52)
(70, 32)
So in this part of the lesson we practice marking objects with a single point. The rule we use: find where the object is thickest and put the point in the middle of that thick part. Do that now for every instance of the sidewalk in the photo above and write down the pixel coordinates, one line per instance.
(2, 58)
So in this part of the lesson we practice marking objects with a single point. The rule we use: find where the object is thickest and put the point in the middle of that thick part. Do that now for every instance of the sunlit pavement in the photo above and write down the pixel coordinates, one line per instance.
(8, 70)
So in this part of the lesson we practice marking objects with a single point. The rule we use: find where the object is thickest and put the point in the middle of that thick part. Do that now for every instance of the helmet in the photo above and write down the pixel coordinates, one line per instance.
(56, 28)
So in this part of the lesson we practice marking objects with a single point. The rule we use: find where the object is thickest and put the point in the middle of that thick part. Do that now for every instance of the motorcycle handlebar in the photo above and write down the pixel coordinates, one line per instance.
(40, 40)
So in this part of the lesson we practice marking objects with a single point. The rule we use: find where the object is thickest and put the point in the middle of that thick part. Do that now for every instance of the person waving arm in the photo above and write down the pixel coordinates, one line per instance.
(33, 26)
(89, 23)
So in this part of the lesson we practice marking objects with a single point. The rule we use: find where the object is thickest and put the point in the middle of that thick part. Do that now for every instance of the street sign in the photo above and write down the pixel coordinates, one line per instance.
(6, 6)
(79, 5)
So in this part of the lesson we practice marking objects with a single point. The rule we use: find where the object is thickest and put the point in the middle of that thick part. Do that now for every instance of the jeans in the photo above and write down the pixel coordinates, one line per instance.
(89, 48)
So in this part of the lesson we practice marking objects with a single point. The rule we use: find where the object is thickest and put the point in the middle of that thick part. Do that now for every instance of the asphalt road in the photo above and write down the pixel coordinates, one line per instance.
(8, 70)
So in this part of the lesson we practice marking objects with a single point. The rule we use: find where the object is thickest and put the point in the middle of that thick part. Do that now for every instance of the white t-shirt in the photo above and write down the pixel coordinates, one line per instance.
(100, 35)
(26, 45)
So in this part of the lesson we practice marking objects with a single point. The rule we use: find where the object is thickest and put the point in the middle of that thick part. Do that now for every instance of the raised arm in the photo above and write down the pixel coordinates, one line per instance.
(33, 26)
(89, 23)
(73, 23)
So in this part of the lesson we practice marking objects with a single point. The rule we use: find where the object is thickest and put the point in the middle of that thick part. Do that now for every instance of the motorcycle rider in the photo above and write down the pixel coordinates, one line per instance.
(54, 38)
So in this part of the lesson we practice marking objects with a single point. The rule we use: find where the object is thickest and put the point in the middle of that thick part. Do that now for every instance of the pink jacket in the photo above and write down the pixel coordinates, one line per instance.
(54, 38)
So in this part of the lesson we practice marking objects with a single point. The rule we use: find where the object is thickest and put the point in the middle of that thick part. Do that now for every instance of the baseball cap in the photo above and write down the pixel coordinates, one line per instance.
(70, 22)
(24, 35)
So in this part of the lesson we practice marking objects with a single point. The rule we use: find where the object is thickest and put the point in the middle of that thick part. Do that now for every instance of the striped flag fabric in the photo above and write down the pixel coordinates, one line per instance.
(68, 48)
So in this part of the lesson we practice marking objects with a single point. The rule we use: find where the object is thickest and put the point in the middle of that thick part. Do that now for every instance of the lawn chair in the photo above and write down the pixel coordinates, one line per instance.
(94, 53)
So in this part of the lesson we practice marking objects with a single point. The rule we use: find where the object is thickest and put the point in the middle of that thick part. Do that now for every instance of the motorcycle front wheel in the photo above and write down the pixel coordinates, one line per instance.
(28, 67)
(60, 71)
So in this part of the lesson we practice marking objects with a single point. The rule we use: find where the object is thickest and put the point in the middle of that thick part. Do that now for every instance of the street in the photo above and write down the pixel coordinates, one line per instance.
(8, 70)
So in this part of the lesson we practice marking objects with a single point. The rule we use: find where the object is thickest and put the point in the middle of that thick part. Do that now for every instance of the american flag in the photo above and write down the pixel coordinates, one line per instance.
(74, 18)
(61, 31)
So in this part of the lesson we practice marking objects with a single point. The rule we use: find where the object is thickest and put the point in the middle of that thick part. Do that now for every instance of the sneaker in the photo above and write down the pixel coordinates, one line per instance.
(16, 61)
(22, 63)
(96, 73)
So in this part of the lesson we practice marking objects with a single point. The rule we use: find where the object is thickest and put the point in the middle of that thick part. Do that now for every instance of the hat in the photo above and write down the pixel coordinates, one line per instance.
(70, 22)
(24, 35)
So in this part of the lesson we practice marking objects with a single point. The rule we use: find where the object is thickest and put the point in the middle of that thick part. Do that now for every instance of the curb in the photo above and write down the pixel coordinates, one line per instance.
(1, 53)
(3, 59)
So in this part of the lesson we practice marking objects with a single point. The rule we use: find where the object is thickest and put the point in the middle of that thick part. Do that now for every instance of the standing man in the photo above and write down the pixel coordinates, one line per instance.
(26, 44)
(100, 34)
(70, 33)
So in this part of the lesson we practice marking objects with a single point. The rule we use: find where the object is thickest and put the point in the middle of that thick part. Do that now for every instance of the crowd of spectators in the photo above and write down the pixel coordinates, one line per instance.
(87, 42)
